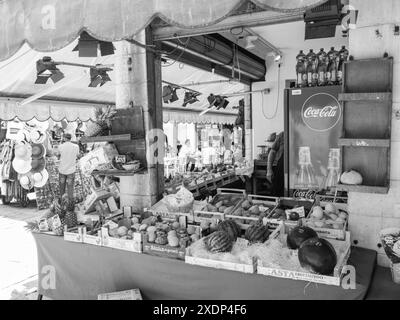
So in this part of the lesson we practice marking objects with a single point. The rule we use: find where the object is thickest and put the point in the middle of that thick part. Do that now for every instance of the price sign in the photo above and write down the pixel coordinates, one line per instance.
(120, 159)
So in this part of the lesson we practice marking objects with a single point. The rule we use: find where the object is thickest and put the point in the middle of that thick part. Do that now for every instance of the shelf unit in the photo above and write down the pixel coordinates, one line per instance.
(367, 115)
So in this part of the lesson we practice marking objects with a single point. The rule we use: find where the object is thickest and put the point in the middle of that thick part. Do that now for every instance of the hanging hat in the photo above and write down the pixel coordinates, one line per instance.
(23, 151)
(26, 182)
(40, 178)
(22, 166)
(23, 135)
(37, 136)
(38, 151)
(38, 165)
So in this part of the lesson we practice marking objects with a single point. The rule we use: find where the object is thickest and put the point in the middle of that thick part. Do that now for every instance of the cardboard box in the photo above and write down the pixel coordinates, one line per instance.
(133, 294)
(96, 195)
(98, 157)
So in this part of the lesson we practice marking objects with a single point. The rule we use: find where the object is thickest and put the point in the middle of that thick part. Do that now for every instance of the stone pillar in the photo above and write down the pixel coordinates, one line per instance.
(138, 82)
(369, 213)
(248, 132)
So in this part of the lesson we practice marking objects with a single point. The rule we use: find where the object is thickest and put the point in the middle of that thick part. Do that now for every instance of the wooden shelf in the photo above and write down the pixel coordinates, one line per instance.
(116, 173)
(111, 138)
(362, 189)
(372, 96)
(379, 143)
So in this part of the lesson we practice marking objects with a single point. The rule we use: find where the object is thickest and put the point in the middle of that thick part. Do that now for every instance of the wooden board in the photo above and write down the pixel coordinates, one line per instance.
(379, 143)
(370, 96)
(111, 138)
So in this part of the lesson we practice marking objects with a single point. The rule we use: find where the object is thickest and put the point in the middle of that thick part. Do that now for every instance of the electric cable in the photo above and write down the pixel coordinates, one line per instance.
(277, 99)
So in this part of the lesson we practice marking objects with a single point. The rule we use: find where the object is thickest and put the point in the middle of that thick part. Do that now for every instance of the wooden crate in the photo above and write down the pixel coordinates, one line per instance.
(74, 236)
(343, 249)
(95, 240)
(134, 245)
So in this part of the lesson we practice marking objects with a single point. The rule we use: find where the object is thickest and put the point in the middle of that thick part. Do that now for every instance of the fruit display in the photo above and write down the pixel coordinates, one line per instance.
(231, 228)
(298, 235)
(256, 207)
(182, 201)
(257, 233)
(289, 209)
(318, 256)
(329, 217)
(224, 203)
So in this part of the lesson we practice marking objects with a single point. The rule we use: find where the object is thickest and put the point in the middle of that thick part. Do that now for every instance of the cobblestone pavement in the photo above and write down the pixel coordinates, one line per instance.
(18, 260)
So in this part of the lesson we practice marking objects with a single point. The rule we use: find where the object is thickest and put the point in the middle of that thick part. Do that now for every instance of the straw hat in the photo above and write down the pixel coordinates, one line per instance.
(23, 151)
(38, 165)
(40, 178)
(38, 151)
(23, 135)
(21, 166)
(38, 136)
(26, 181)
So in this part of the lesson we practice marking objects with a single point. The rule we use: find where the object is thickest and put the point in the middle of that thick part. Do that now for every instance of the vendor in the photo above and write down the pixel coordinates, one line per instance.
(186, 156)
(275, 165)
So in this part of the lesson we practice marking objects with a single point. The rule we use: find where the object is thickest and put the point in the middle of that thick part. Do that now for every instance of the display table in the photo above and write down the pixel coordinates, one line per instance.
(84, 271)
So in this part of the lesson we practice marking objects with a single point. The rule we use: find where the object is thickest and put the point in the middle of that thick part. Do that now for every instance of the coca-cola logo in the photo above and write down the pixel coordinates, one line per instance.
(321, 112)
(304, 194)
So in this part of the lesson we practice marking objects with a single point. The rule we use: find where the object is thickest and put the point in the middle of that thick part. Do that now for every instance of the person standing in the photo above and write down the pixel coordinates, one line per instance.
(68, 153)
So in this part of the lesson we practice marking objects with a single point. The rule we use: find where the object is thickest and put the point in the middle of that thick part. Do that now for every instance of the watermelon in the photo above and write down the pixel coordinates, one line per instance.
(257, 233)
(218, 241)
(298, 235)
(231, 228)
(318, 255)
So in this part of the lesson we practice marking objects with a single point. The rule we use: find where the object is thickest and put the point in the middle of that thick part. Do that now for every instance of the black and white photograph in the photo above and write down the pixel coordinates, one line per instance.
(200, 156)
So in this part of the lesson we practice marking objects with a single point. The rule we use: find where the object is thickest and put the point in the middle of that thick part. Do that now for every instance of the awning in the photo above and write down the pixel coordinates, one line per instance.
(45, 110)
(49, 25)
(192, 116)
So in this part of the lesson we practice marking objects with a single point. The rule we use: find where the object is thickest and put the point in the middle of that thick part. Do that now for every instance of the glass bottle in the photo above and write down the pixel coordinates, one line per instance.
(305, 178)
(333, 169)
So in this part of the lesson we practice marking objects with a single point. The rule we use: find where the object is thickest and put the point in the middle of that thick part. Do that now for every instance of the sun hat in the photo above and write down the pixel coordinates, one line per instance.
(25, 181)
(38, 165)
(38, 151)
(22, 166)
(23, 151)
(38, 136)
(40, 178)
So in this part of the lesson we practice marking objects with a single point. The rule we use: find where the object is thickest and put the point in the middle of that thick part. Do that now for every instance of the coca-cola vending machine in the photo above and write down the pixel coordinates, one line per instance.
(313, 126)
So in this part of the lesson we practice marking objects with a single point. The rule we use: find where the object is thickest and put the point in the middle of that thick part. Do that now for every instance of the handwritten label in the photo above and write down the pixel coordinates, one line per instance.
(300, 211)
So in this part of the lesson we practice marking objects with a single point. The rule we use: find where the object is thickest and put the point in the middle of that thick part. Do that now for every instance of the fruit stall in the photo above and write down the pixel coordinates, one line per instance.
(192, 234)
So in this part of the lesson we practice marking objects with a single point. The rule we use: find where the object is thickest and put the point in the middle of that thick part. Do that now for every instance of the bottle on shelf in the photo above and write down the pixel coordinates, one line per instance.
(305, 178)
(343, 57)
(322, 67)
(312, 75)
(301, 70)
(331, 74)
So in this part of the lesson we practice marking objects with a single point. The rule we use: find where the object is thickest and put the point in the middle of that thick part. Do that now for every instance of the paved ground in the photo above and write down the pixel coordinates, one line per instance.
(18, 259)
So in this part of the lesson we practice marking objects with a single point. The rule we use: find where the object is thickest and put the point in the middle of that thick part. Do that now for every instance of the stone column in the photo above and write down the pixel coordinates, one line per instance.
(138, 82)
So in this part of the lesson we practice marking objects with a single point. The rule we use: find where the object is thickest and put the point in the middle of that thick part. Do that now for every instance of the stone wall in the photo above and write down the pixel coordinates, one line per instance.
(369, 213)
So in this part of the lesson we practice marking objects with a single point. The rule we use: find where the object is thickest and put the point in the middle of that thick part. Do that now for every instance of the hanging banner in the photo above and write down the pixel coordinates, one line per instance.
(49, 25)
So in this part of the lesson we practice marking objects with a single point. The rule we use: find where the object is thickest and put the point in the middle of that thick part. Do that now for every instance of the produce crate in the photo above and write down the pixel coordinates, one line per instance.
(134, 245)
(264, 204)
(95, 239)
(342, 248)
(289, 204)
(216, 264)
(73, 234)
(133, 294)
(329, 232)
(234, 195)
(160, 209)
(165, 251)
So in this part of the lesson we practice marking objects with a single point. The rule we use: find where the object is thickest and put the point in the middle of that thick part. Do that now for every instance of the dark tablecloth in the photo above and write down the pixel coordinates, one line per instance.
(84, 271)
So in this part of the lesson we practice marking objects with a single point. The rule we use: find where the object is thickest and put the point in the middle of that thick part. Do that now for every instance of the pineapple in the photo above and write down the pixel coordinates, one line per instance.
(71, 219)
(101, 123)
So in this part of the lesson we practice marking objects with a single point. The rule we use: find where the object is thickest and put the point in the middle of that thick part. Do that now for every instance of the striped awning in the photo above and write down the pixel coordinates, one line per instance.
(193, 116)
(49, 25)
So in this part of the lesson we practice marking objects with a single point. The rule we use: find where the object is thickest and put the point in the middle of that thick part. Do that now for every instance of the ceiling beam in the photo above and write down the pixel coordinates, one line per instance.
(249, 20)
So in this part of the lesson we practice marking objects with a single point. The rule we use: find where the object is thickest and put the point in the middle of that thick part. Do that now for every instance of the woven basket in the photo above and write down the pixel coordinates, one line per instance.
(186, 208)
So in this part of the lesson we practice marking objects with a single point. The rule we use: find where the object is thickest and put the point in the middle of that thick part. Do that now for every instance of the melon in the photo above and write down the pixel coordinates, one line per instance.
(173, 241)
(219, 204)
(228, 210)
(254, 210)
(222, 209)
(191, 230)
(151, 237)
(194, 237)
(122, 231)
(176, 225)
(231, 228)
(318, 255)
(135, 220)
(298, 235)
(125, 223)
(318, 213)
(246, 205)
(143, 227)
(204, 224)
(257, 233)
(219, 241)
(331, 208)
